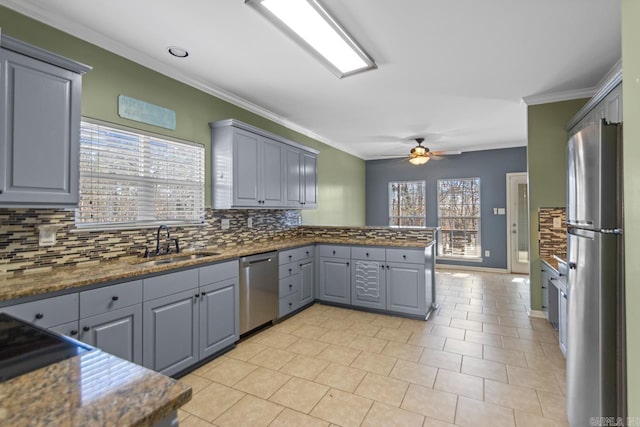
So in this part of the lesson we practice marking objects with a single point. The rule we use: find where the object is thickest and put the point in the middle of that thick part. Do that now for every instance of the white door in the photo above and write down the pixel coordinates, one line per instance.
(518, 223)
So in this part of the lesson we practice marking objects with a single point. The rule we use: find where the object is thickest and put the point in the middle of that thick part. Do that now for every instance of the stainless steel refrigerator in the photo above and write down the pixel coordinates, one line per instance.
(595, 318)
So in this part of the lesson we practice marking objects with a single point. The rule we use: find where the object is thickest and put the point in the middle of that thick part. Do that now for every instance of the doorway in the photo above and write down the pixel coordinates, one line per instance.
(517, 223)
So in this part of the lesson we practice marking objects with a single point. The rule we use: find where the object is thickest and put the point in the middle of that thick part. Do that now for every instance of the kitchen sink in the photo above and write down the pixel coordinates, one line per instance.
(174, 258)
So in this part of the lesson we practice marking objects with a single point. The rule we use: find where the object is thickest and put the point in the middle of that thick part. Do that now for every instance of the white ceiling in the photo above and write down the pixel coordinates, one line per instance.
(452, 71)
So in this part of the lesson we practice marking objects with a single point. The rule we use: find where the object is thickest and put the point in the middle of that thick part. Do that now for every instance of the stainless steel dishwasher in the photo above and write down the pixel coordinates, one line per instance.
(258, 290)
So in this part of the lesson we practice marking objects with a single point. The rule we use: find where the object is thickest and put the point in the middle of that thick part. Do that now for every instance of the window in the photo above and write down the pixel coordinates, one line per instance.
(459, 217)
(130, 179)
(407, 204)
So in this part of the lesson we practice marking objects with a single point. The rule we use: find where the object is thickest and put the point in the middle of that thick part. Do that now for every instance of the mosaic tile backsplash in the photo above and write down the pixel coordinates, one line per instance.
(20, 252)
(19, 249)
(553, 240)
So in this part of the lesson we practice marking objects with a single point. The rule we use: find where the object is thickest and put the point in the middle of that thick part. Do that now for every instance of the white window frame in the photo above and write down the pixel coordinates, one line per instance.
(474, 257)
(146, 182)
(390, 205)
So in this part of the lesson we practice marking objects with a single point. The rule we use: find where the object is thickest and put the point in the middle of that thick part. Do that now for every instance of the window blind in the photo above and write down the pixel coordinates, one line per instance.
(129, 178)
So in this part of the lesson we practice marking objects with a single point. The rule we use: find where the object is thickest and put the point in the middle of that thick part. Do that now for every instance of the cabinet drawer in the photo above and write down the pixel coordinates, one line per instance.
(289, 304)
(367, 253)
(289, 285)
(47, 312)
(333, 251)
(109, 298)
(414, 256)
(290, 255)
(306, 252)
(289, 269)
(167, 284)
(69, 329)
(217, 272)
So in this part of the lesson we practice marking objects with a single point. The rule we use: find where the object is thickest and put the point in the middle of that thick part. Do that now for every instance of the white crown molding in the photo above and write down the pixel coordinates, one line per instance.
(107, 43)
(566, 95)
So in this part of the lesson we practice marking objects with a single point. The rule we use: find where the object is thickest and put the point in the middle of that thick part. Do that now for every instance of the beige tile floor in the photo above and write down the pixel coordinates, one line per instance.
(481, 361)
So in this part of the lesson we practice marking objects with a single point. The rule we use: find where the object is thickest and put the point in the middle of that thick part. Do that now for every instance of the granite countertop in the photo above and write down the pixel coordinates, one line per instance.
(64, 278)
(553, 262)
(91, 389)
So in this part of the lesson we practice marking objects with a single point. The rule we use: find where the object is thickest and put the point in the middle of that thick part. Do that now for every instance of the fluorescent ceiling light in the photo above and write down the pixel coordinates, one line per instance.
(311, 26)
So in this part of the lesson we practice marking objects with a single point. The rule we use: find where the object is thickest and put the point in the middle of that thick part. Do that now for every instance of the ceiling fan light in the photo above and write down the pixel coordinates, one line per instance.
(418, 160)
(418, 151)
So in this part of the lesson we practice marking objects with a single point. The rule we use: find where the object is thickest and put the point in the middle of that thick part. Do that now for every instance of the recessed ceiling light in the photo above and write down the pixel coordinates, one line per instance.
(178, 52)
(309, 24)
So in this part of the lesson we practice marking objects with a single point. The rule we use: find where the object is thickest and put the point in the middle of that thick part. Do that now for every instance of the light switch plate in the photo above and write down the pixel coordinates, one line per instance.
(487, 253)
(250, 222)
(502, 211)
(225, 223)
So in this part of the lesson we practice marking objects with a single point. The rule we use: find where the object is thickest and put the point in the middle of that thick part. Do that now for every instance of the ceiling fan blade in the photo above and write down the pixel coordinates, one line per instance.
(445, 153)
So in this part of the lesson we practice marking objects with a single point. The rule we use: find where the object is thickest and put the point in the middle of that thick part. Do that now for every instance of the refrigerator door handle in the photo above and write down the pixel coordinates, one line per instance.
(617, 231)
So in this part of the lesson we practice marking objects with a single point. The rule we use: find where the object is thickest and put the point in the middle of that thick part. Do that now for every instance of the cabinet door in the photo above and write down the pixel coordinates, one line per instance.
(310, 184)
(306, 283)
(271, 173)
(39, 131)
(118, 332)
(544, 288)
(170, 339)
(219, 316)
(562, 321)
(335, 280)
(368, 284)
(406, 288)
(246, 168)
(293, 175)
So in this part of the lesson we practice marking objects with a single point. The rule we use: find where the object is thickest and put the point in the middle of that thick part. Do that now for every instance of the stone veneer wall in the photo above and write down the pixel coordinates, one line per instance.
(20, 251)
(376, 233)
(553, 241)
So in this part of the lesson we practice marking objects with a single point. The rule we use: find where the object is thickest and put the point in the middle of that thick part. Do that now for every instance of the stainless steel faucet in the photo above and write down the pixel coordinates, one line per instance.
(162, 227)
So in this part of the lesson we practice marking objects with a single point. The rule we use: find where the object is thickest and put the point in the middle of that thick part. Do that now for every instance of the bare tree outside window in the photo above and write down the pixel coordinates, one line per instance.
(130, 178)
(459, 217)
(407, 204)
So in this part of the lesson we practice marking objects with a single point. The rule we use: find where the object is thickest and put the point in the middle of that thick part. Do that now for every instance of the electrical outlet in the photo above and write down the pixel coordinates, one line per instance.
(487, 253)
(250, 222)
(557, 222)
(225, 224)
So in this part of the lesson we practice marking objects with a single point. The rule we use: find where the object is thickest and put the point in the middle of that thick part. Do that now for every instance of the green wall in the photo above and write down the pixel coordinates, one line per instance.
(546, 165)
(341, 176)
(631, 133)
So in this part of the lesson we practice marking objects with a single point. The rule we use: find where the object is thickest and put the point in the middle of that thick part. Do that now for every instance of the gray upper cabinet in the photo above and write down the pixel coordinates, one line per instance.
(301, 179)
(309, 178)
(253, 168)
(39, 126)
(257, 170)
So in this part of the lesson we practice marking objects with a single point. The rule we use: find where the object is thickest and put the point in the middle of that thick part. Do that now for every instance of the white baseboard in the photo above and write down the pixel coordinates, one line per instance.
(537, 313)
(469, 268)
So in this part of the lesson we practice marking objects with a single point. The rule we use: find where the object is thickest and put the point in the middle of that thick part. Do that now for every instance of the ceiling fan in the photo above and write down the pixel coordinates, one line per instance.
(420, 154)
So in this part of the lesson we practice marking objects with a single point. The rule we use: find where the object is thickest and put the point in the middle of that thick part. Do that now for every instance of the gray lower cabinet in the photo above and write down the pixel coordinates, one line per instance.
(562, 321)
(307, 274)
(406, 288)
(40, 121)
(48, 312)
(170, 335)
(335, 280)
(118, 332)
(368, 284)
(219, 316)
